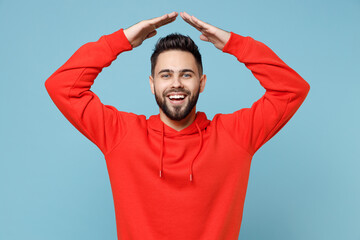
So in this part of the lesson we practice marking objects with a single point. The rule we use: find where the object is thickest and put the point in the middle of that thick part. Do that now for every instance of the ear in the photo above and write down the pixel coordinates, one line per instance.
(202, 82)
(151, 81)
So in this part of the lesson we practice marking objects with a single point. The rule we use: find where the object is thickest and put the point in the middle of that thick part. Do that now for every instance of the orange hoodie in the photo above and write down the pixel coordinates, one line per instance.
(186, 185)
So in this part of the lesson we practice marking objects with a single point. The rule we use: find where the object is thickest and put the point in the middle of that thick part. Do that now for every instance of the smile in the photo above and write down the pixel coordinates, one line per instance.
(177, 98)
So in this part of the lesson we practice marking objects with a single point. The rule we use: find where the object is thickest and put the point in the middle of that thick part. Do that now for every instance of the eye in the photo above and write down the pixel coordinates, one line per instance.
(187, 75)
(165, 75)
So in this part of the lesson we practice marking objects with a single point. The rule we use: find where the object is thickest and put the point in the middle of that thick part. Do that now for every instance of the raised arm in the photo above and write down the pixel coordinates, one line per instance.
(69, 86)
(285, 89)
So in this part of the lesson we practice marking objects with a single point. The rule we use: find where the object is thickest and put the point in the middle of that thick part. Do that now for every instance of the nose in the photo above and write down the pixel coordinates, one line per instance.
(177, 83)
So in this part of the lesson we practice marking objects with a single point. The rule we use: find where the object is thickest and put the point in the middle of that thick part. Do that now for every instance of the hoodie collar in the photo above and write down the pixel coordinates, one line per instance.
(196, 127)
(157, 125)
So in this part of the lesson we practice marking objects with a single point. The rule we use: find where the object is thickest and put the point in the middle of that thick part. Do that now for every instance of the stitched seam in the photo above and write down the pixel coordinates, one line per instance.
(247, 43)
(107, 43)
(78, 118)
(121, 140)
(270, 132)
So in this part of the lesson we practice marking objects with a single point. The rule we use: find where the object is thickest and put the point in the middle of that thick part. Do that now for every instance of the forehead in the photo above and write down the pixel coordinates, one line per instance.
(175, 60)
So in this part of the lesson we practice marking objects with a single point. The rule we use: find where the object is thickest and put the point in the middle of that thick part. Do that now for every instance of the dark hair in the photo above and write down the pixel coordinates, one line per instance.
(176, 41)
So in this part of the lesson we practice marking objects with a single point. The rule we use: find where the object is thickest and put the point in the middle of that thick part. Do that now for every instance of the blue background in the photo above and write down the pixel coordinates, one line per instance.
(304, 183)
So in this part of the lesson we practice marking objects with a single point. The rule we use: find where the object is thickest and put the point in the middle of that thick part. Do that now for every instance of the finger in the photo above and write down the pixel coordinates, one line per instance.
(204, 38)
(182, 14)
(187, 18)
(161, 18)
(169, 17)
(200, 23)
(169, 20)
(163, 23)
(165, 19)
(202, 28)
(173, 14)
(189, 22)
(153, 33)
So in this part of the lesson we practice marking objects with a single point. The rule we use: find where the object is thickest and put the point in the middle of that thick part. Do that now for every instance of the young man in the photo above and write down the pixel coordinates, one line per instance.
(177, 175)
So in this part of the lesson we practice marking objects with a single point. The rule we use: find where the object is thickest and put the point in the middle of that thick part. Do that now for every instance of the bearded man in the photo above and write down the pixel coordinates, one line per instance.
(177, 175)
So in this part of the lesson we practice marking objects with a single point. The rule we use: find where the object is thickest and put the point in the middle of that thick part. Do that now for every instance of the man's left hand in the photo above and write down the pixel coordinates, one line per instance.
(210, 33)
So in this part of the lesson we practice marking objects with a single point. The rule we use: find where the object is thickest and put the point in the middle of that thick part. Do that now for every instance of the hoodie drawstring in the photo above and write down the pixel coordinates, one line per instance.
(200, 146)
(192, 162)
(162, 150)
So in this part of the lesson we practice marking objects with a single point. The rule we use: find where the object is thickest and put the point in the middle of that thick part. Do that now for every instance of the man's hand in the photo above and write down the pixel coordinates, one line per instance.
(137, 33)
(210, 33)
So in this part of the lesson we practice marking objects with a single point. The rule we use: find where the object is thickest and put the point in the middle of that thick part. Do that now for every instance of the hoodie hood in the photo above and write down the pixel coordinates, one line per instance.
(196, 127)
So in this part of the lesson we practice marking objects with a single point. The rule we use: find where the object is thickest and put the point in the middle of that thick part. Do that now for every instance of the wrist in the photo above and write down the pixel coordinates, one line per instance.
(237, 45)
(225, 39)
(118, 42)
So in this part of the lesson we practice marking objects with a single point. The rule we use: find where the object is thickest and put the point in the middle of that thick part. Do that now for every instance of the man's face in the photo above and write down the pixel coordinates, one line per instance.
(176, 83)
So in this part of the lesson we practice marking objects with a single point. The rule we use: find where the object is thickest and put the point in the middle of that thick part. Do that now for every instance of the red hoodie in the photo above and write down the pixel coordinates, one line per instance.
(186, 185)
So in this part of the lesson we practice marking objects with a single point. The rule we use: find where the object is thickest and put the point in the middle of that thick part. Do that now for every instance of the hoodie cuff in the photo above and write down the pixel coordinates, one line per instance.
(237, 45)
(118, 42)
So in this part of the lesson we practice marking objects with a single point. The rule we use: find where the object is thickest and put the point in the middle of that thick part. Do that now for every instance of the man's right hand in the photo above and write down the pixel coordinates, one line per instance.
(137, 33)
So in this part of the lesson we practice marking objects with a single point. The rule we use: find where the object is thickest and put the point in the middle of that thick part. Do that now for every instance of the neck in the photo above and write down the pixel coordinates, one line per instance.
(178, 125)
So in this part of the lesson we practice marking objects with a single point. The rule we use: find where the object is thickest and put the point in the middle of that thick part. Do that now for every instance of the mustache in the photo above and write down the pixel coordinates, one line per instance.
(177, 90)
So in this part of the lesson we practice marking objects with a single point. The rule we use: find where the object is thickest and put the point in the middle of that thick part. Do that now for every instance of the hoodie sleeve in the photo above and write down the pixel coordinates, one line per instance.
(285, 92)
(69, 88)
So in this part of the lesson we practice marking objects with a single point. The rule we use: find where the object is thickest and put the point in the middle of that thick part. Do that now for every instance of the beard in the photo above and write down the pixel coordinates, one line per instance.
(177, 113)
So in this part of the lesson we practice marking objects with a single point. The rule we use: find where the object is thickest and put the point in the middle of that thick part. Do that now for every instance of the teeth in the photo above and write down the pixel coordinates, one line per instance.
(177, 97)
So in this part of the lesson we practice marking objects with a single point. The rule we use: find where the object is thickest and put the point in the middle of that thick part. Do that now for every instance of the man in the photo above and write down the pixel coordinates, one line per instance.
(177, 175)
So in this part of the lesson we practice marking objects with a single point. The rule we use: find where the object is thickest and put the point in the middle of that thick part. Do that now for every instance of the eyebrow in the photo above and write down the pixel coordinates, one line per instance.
(171, 71)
